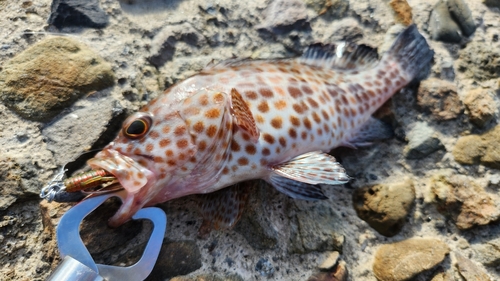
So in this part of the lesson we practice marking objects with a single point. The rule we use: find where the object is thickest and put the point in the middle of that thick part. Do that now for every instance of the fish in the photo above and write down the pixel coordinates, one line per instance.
(274, 120)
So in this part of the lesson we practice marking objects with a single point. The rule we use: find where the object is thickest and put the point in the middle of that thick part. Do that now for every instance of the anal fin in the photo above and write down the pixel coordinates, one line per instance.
(222, 209)
(296, 189)
(313, 168)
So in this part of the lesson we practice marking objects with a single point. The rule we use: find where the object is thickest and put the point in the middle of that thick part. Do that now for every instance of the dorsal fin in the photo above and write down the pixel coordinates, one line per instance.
(344, 55)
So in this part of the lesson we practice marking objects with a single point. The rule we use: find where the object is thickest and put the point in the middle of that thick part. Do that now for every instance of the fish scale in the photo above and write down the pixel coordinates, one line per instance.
(241, 120)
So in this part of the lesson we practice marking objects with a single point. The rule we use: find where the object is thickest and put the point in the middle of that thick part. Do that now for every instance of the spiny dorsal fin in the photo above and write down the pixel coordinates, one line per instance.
(243, 115)
(344, 55)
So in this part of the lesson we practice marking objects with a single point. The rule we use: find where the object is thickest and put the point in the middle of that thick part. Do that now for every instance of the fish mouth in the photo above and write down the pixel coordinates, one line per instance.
(135, 178)
(131, 175)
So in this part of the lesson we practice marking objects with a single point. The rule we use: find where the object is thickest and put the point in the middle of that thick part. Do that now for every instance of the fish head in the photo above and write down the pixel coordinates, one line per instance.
(168, 150)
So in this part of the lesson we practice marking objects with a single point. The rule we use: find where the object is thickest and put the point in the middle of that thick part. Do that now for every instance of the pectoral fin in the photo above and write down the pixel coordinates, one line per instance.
(313, 168)
(243, 115)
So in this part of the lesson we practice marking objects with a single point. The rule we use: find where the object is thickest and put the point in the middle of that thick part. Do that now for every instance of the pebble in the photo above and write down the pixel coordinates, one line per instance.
(422, 141)
(479, 149)
(440, 98)
(38, 85)
(464, 201)
(402, 10)
(385, 206)
(84, 13)
(406, 259)
(330, 260)
(480, 105)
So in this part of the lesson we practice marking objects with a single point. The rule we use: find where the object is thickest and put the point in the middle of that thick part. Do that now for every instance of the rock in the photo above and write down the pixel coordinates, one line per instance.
(338, 273)
(333, 8)
(406, 259)
(464, 201)
(210, 277)
(462, 15)
(481, 106)
(330, 260)
(49, 76)
(443, 276)
(255, 228)
(492, 3)
(422, 141)
(488, 253)
(480, 60)
(84, 13)
(315, 226)
(468, 270)
(176, 258)
(282, 16)
(165, 43)
(92, 125)
(385, 206)
(402, 10)
(479, 149)
(440, 98)
(442, 26)
(264, 267)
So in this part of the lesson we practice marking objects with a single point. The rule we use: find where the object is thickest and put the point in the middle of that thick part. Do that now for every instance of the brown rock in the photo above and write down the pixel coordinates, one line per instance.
(385, 206)
(440, 98)
(406, 259)
(464, 201)
(402, 10)
(481, 106)
(46, 78)
(475, 149)
(468, 270)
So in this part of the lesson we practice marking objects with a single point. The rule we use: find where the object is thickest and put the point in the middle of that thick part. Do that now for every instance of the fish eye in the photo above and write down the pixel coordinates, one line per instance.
(138, 127)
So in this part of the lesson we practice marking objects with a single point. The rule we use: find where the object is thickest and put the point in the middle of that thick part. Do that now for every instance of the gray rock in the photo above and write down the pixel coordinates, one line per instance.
(209, 277)
(422, 141)
(315, 226)
(480, 60)
(255, 227)
(85, 13)
(462, 15)
(488, 253)
(468, 270)
(492, 3)
(176, 258)
(264, 267)
(282, 16)
(385, 206)
(442, 26)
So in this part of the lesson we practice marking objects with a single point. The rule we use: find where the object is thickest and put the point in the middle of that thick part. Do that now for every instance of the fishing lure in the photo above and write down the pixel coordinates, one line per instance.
(86, 181)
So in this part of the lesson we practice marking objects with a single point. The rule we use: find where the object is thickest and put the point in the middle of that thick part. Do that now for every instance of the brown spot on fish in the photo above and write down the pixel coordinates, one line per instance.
(282, 141)
(235, 146)
(259, 118)
(164, 142)
(280, 104)
(165, 129)
(266, 151)
(183, 143)
(212, 113)
(277, 122)
(180, 130)
(243, 161)
(263, 107)
(199, 127)
(202, 145)
(295, 121)
(211, 131)
(169, 153)
(292, 133)
(316, 117)
(266, 93)
(251, 95)
(312, 102)
(325, 115)
(307, 89)
(303, 135)
(268, 138)
(332, 92)
(225, 171)
(294, 92)
(307, 123)
(154, 134)
(250, 149)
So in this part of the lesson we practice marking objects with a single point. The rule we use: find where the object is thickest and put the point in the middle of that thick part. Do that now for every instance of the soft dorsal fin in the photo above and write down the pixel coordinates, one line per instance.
(222, 209)
(344, 55)
(243, 115)
(313, 168)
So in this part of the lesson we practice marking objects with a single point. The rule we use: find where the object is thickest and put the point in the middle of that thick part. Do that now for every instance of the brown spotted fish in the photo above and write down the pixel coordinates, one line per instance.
(258, 119)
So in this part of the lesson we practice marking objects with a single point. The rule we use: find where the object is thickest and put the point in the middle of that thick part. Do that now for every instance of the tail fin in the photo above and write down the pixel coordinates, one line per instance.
(411, 51)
